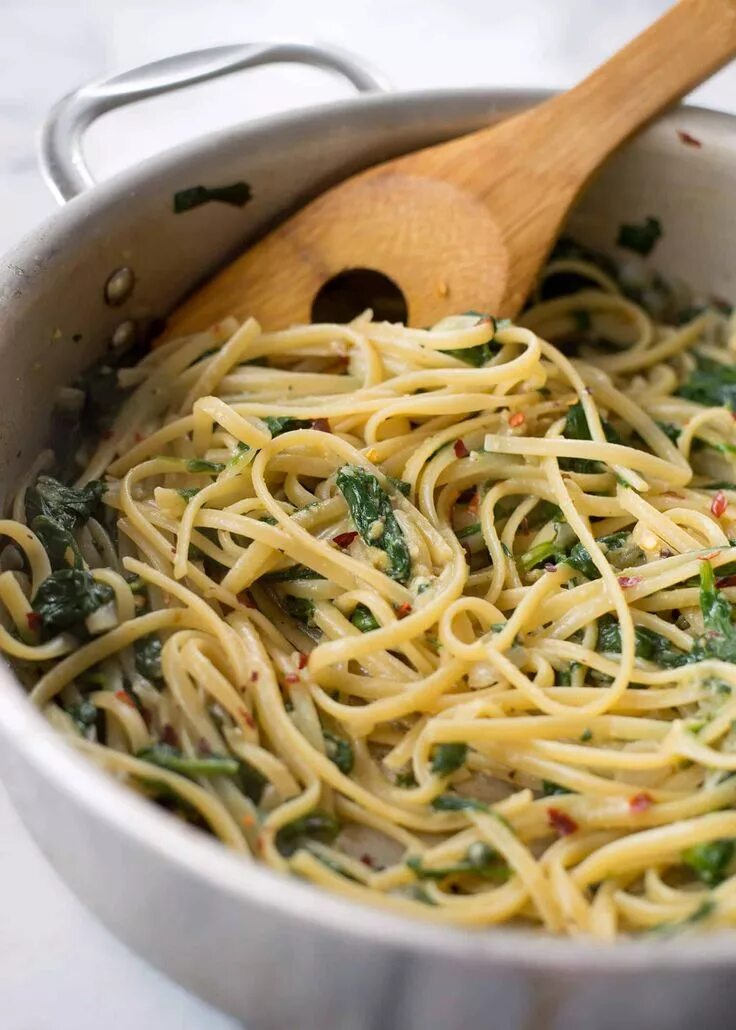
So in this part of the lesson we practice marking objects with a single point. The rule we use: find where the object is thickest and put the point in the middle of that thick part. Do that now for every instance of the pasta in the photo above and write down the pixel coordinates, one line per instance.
(438, 619)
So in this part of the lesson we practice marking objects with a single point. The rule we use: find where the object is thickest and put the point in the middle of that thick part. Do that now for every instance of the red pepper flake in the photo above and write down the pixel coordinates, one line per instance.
(291, 677)
(123, 696)
(368, 860)
(322, 425)
(561, 822)
(708, 557)
(461, 451)
(254, 677)
(169, 736)
(629, 581)
(726, 581)
(247, 821)
(247, 717)
(303, 659)
(641, 802)
(718, 505)
(687, 139)
(474, 503)
(344, 540)
(34, 620)
(517, 419)
(403, 609)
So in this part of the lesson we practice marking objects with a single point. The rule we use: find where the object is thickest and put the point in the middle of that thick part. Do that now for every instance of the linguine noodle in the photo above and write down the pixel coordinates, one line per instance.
(438, 619)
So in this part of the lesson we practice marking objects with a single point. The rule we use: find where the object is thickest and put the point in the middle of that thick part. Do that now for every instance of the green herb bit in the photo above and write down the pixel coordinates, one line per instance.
(458, 803)
(586, 736)
(148, 657)
(401, 485)
(67, 597)
(167, 757)
(712, 384)
(406, 779)
(370, 505)
(187, 492)
(640, 237)
(467, 531)
(236, 194)
(364, 619)
(292, 574)
(480, 860)
(278, 424)
(317, 825)
(536, 555)
(581, 318)
(201, 465)
(549, 788)
(710, 860)
(670, 430)
(340, 751)
(448, 758)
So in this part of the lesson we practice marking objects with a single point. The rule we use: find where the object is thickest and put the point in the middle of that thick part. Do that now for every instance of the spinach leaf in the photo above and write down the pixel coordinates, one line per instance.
(340, 751)
(84, 715)
(466, 531)
(59, 543)
(67, 597)
(278, 424)
(68, 506)
(53, 511)
(670, 430)
(580, 560)
(576, 428)
(401, 485)
(711, 384)
(447, 758)
(148, 656)
(294, 572)
(480, 860)
(719, 639)
(640, 237)
(168, 757)
(648, 644)
(291, 574)
(317, 825)
(364, 619)
(237, 194)
(371, 511)
(710, 860)
(300, 608)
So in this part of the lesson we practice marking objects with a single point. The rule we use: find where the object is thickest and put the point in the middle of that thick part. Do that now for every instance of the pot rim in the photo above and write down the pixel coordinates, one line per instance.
(30, 737)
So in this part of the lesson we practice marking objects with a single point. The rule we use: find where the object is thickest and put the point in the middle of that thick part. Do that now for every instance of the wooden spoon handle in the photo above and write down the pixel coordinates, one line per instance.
(680, 50)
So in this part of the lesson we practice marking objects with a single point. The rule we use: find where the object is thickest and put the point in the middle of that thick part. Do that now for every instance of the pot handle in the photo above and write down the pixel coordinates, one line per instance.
(61, 155)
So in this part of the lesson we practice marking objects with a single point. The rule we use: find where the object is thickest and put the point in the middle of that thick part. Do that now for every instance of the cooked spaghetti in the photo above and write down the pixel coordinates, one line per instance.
(439, 619)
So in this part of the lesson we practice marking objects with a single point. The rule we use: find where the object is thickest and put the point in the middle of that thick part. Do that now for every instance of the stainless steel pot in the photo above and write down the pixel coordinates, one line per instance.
(276, 952)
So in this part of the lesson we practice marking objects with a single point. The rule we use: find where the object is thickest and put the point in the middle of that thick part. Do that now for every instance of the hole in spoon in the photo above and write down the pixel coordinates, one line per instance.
(349, 293)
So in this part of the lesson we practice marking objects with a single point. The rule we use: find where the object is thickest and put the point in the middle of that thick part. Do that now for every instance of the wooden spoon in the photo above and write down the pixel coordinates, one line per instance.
(468, 224)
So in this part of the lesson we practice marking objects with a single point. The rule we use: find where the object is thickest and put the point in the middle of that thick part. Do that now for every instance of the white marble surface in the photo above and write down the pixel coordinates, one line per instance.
(58, 968)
